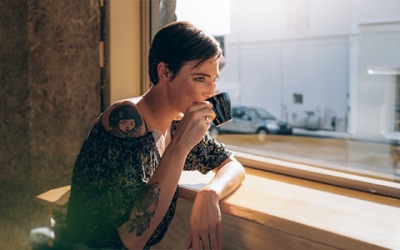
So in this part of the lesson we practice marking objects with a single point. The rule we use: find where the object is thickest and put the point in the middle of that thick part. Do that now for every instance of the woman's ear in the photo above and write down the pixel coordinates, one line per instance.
(163, 71)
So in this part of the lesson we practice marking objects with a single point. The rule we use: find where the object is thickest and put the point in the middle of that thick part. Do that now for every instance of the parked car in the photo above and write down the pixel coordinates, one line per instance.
(252, 120)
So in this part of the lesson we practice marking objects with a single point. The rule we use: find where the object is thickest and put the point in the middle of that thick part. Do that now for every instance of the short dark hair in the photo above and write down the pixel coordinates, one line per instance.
(180, 42)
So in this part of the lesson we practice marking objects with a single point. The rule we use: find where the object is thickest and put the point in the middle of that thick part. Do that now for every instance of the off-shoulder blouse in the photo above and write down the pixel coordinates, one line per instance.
(108, 174)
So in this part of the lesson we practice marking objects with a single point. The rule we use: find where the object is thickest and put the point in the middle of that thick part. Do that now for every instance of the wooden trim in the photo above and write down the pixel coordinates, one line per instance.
(56, 199)
(322, 214)
(238, 233)
(101, 54)
(145, 33)
(337, 178)
(104, 55)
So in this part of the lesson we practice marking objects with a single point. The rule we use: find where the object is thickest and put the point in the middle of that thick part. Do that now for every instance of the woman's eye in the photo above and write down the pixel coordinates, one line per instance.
(200, 79)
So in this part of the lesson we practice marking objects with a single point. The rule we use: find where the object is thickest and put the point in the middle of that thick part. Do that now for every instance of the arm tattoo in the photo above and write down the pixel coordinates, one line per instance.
(144, 209)
(125, 121)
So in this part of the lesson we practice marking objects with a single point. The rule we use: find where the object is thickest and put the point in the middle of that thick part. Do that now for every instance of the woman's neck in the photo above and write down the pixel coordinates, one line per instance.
(158, 115)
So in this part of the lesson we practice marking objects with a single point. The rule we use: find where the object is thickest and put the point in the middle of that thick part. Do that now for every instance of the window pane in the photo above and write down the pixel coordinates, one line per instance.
(321, 77)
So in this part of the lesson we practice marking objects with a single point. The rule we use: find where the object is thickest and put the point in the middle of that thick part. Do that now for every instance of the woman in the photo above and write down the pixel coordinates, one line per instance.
(124, 184)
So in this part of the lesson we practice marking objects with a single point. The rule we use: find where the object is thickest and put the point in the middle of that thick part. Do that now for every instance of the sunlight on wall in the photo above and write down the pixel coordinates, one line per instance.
(124, 49)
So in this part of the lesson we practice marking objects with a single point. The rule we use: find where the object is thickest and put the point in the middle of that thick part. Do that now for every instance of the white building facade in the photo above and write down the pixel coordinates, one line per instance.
(319, 64)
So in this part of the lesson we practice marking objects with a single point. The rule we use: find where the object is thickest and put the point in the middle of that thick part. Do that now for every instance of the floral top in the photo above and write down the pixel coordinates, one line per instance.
(108, 174)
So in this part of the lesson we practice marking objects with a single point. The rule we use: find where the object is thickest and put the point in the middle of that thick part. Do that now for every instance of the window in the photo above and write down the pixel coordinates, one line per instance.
(329, 69)
(298, 98)
(238, 113)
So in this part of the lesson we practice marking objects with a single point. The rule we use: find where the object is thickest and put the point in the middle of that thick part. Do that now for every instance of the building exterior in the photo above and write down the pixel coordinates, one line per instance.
(329, 64)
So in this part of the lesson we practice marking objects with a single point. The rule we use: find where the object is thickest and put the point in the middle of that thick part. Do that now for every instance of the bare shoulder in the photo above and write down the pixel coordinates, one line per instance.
(123, 119)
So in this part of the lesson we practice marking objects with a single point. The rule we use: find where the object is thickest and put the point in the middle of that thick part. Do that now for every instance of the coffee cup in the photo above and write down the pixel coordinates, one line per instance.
(222, 108)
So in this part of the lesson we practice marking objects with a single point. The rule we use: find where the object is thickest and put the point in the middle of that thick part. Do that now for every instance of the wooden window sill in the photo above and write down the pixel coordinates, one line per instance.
(326, 215)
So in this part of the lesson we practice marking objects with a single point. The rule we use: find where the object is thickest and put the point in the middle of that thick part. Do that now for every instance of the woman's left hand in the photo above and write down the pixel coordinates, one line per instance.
(205, 222)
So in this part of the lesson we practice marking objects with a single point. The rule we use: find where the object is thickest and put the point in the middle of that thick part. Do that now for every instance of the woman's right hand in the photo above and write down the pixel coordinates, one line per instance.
(194, 125)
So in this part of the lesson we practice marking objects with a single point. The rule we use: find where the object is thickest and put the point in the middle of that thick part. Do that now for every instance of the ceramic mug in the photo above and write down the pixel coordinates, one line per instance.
(222, 108)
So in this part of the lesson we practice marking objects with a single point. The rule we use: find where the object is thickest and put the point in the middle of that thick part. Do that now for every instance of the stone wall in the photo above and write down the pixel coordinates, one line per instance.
(49, 99)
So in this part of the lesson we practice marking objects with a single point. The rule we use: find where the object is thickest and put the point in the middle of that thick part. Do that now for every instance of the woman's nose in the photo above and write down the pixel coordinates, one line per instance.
(213, 87)
(209, 94)
(211, 91)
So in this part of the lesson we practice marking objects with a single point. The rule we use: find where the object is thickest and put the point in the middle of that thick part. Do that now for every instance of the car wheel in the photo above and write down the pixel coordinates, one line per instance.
(262, 134)
(213, 131)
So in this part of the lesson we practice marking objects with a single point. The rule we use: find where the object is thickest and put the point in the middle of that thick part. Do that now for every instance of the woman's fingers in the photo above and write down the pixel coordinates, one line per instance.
(201, 110)
(196, 244)
(194, 124)
(214, 239)
(205, 240)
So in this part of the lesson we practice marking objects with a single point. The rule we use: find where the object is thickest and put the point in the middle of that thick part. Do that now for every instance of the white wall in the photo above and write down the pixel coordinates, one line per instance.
(374, 95)
(312, 47)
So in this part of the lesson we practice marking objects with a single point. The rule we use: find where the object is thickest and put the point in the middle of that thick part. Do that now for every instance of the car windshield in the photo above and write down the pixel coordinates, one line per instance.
(263, 114)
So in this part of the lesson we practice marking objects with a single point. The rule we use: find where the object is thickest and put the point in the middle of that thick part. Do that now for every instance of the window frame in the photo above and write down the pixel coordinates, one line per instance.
(349, 180)
(316, 173)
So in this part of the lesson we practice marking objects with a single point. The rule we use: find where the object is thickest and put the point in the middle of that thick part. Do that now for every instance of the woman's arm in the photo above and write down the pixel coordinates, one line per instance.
(153, 200)
(205, 220)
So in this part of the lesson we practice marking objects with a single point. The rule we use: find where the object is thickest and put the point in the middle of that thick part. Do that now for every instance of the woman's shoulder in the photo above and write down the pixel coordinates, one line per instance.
(123, 119)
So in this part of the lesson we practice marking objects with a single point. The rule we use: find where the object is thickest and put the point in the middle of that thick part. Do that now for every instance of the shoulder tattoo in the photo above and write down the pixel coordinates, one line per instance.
(125, 121)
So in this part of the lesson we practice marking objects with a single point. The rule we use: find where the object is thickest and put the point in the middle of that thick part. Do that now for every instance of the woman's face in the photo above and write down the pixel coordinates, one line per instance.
(193, 84)
(126, 125)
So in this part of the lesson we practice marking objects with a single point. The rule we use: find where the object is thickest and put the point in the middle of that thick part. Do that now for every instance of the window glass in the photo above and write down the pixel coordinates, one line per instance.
(320, 77)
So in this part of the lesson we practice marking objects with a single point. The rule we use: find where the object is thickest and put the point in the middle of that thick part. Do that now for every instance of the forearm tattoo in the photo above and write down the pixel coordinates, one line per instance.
(125, 121)
(144, 210)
